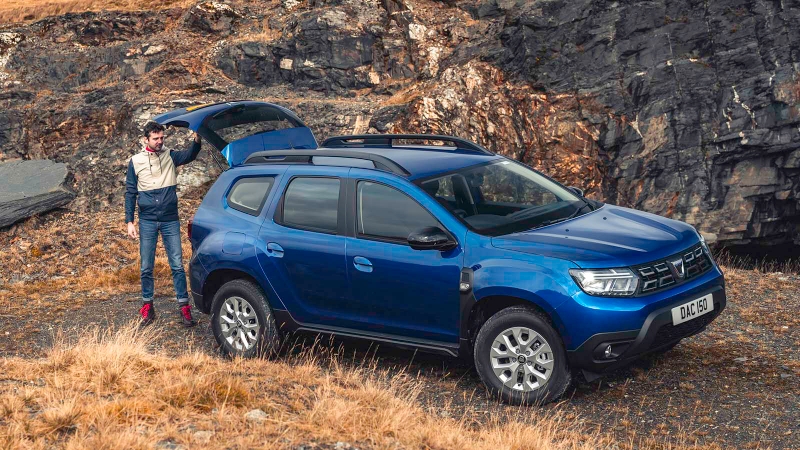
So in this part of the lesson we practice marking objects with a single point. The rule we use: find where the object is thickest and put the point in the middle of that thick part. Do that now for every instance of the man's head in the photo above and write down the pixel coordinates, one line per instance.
(154, 136)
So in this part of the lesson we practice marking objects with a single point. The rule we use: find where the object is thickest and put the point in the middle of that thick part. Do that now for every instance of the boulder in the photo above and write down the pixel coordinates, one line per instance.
(212, 17)
(31, 187)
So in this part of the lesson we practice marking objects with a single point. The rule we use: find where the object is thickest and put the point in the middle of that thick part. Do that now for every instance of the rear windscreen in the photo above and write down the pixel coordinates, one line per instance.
(242, 121)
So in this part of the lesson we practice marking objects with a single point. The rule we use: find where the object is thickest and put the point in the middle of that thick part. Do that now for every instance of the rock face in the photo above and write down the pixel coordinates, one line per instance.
(31, 187)
(683, 108)
(703, 99)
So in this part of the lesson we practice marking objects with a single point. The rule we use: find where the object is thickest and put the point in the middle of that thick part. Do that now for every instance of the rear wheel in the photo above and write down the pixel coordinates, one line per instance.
(242, 320)
(520, 357)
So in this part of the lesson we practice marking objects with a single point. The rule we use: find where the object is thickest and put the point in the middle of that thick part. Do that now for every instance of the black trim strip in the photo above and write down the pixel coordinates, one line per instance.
(287, 323)
(306, 156)
(386, 140)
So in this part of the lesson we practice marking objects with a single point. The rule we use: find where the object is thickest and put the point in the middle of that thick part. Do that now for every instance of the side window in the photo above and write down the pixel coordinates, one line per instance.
(248, 194)
(312, 203)
(387, 213)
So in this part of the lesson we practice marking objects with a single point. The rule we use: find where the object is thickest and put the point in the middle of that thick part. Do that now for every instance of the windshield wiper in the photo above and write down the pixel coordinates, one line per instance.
(550, 222)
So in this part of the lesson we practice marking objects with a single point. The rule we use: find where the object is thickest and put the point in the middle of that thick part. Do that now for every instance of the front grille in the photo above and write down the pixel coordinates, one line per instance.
(670, 333)
(672, 271)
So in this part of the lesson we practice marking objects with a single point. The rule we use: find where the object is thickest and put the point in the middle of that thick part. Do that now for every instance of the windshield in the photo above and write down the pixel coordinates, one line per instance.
(504, 197)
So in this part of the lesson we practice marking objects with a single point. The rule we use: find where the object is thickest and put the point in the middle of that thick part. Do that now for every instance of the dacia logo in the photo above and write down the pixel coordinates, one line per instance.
(677, 267)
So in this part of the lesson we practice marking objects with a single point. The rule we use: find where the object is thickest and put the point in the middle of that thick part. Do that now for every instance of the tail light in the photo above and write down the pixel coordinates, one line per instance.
(189, 229)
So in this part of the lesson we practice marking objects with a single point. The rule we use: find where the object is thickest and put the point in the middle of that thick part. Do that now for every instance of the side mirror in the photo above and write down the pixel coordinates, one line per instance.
(577, 191)
(431, 238)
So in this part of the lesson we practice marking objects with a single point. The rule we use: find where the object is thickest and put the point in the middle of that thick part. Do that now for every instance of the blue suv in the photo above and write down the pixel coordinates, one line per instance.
(445, 248)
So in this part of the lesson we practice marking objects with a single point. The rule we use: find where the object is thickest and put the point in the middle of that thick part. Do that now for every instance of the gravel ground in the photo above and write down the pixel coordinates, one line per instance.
(735, 385)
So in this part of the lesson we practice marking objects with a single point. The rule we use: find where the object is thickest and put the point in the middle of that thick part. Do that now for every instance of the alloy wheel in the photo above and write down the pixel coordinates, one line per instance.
(522, 359)
(239, 323)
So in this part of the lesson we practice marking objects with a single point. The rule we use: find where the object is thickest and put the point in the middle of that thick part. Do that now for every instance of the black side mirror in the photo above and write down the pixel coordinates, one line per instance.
(577, 191)
(431, 238)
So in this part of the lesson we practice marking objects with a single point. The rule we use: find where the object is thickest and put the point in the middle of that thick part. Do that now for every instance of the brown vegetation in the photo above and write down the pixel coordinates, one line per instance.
(110, 391)
(25, 10)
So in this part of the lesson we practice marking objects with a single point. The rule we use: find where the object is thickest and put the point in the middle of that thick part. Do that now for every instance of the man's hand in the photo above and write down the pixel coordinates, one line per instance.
(197, 138)
(133, 233)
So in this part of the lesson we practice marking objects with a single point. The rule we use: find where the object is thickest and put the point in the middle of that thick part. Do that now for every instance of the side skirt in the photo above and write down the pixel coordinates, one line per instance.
(287, 324)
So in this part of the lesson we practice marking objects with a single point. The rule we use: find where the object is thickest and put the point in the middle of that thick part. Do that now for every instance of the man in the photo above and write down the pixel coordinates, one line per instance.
(151, 177)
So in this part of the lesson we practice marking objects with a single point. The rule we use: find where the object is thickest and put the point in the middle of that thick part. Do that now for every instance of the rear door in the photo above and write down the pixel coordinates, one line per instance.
(239, 129)
(302, 245)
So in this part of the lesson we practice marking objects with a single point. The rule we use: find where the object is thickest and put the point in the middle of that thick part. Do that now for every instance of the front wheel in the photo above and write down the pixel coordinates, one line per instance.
(520, 357)
(242, 320)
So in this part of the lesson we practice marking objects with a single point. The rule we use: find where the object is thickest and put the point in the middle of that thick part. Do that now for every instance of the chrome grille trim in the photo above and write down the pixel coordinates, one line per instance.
(659, 275)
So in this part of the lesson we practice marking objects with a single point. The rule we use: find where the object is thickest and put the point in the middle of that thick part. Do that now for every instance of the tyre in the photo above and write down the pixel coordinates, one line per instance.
(242, 320)
(520, 357)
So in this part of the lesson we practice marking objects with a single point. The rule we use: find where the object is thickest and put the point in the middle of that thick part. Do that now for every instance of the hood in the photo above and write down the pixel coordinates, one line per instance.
(611, 236)
(239, 129)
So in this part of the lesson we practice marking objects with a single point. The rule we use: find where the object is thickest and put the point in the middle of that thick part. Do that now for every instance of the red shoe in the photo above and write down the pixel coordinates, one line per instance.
(148, 314)
(186, 316)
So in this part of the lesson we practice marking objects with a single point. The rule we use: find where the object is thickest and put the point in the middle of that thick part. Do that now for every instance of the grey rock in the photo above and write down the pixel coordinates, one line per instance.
(168, 444)
(684, 109)
(256, 415)
(202, 436)
(32, 187)
(726, 151)
(212, 17)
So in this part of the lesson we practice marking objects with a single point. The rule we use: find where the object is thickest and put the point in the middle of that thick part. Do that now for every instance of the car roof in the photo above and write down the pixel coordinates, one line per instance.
(425, 161)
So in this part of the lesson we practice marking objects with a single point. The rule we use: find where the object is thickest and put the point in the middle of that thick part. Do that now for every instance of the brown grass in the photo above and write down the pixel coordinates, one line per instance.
(108, 390)
(26, 10)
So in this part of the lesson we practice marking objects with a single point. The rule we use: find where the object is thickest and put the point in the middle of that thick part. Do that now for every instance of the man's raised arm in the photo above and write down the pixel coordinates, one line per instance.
(187, 156)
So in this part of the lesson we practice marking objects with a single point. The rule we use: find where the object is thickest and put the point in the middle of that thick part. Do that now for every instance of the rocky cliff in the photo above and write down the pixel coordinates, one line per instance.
(683, 108)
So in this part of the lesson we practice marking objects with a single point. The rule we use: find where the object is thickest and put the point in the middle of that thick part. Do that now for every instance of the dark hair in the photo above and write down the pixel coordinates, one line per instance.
(152, 127)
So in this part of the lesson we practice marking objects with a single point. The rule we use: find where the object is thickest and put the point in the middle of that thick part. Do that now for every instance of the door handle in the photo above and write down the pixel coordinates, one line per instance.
(362, 264)
(274, 250)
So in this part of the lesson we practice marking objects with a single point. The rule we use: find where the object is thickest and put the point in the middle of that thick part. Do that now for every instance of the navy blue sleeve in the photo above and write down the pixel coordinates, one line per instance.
(186, 156)
(131, 191)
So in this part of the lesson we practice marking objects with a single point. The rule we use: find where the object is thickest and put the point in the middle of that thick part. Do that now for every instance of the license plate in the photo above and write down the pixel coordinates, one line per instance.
(693, 309)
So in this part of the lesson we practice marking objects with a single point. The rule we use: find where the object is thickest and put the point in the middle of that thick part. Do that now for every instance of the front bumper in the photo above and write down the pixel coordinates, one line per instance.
(656, 333)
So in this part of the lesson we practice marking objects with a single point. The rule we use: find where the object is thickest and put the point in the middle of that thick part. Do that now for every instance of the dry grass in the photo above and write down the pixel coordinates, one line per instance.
(25, 10)
(110, 391)
(86, 253)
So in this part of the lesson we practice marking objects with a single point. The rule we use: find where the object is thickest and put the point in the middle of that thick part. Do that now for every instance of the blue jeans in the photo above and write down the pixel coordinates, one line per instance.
(171, 237)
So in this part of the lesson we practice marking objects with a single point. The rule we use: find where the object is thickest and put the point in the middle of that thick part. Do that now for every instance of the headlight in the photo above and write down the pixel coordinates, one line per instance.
(704, 245)
(606, 282)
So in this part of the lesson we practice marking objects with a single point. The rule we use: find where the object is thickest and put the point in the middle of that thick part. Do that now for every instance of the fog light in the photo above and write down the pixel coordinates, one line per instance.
(464, 287)
(609, 351)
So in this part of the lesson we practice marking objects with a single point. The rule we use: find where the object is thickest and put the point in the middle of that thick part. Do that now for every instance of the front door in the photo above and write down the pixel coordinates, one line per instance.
(396, 289)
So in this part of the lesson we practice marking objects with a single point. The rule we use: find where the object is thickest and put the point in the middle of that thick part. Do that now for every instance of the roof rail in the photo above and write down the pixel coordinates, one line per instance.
(385, 140)
(307, 157)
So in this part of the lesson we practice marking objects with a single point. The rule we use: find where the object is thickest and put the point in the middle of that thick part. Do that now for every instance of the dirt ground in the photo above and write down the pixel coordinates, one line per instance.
(735, 385)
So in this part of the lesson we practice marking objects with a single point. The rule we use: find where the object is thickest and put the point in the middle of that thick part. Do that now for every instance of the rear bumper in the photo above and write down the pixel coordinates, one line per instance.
(656, 333)
(197, 273)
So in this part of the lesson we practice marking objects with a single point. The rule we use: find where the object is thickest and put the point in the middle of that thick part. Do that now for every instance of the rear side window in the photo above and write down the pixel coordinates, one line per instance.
(312, 204)
(387, 213)
(248, 194)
